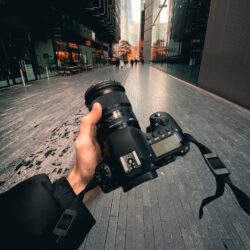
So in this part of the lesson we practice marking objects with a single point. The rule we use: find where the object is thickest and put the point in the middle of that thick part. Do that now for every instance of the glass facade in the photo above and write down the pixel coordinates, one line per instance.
(45, 57)
(178, 34)
(159, 31)
(130, 25)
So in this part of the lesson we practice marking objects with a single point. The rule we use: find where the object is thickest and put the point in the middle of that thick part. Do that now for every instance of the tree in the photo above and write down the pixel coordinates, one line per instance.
(124, 49)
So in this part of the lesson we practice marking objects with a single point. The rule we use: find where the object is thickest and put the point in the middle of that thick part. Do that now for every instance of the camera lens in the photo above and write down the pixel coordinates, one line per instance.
(117, 110)
(124, 145)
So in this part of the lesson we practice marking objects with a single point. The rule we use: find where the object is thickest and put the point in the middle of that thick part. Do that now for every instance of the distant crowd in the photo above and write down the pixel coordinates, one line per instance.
(120, 64)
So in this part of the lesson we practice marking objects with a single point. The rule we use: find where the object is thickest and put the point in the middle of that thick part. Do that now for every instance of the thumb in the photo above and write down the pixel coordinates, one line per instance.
(96, 113)
(90, 120)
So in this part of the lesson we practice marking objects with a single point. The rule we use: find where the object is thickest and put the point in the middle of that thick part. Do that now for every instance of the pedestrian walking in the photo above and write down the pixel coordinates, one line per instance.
(132, 62)
(117, 63)
(121, 64)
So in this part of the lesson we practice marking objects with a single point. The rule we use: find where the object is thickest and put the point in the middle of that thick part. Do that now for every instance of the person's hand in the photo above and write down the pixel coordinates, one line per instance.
(88, 153)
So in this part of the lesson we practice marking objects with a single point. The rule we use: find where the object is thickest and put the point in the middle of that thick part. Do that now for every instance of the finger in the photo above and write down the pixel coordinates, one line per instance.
(89, 121)
(96, 113)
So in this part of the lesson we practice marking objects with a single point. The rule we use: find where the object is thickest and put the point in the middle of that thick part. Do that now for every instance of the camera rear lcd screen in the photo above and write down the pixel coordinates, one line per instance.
(216, 163)
(164, 146)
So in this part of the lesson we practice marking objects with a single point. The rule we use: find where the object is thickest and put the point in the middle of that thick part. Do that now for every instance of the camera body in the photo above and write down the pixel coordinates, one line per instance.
(131, 157)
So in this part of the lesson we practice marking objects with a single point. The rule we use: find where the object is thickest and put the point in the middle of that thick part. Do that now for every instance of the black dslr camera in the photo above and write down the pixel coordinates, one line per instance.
(131, 157)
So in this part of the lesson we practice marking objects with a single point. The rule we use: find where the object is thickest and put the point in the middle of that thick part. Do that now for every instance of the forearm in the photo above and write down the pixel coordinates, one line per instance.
(31, 210)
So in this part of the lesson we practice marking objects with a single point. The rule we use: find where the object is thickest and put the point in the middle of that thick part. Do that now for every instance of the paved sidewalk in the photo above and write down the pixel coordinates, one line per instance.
(38, 125)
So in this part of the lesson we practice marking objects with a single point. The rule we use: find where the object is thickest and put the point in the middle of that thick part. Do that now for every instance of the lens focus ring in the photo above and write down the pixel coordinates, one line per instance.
(100, 89)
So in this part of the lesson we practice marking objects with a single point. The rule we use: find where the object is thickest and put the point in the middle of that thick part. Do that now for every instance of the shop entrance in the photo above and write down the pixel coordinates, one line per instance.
(21, 60)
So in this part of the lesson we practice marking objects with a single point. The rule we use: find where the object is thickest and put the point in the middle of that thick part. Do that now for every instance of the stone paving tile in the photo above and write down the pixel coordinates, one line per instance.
(38, 125)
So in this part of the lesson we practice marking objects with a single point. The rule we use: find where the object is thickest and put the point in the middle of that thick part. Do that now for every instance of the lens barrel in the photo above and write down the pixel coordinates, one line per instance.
(107, 93)
(117, 110)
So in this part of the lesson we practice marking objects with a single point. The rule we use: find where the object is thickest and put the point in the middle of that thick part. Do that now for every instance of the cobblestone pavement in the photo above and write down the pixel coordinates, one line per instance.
(38, 126)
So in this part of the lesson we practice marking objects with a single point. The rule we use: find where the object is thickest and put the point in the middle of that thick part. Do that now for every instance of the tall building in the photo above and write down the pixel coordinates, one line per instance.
(142, 28)
(148, 30)
(175, 33)
(53, 34)
(126, 19)
(200, 42)
(130, 23)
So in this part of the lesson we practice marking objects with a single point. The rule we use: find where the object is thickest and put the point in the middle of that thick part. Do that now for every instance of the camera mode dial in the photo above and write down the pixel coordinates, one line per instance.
(103, 172)
(162, 121)
(157, 120)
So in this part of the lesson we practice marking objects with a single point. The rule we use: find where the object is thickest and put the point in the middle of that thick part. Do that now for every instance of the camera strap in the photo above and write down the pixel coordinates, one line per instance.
(221, 180)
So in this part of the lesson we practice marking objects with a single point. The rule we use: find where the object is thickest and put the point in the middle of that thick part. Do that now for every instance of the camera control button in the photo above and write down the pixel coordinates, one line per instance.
(105, 171)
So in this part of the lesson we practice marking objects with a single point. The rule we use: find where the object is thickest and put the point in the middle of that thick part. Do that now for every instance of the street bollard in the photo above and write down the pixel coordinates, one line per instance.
(47, 72)
(21, 73)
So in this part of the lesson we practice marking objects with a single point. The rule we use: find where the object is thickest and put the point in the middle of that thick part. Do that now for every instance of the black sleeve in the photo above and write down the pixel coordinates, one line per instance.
(36, 214)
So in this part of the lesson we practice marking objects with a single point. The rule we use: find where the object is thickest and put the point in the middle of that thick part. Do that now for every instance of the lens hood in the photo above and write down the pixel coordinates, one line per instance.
(100, 88)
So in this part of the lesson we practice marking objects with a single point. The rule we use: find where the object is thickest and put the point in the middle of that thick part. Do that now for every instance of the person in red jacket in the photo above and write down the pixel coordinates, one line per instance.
(38, 214)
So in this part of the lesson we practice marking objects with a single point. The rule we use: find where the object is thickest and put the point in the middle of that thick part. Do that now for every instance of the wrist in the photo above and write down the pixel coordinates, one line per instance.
(76, 181)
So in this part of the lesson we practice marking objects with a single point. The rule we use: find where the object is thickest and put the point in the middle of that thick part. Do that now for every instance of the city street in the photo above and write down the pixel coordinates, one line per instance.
(38, 126)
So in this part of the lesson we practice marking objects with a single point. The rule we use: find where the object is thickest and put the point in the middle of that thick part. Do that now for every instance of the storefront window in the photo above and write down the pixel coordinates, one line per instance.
(86, 55)
(62, 57)
(74, 53)
(62, 53)
(45, 58)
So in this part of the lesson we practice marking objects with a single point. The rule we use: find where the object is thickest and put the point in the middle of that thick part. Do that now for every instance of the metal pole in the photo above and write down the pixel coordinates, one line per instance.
(21, 73)
(47, 72)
